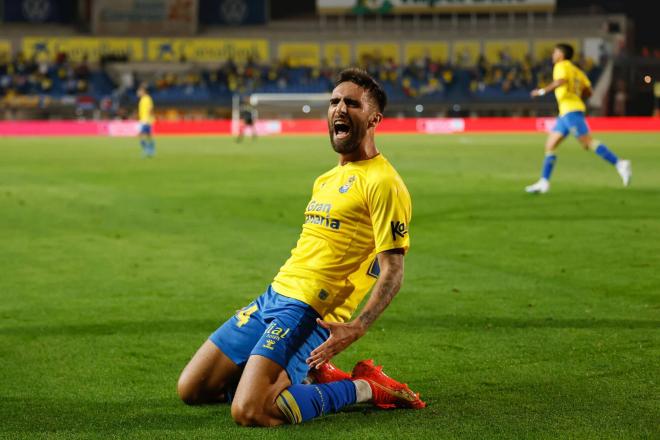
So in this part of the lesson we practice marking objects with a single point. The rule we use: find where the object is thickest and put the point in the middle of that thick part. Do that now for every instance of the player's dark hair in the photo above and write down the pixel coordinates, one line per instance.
(566, 49)
(361, 78)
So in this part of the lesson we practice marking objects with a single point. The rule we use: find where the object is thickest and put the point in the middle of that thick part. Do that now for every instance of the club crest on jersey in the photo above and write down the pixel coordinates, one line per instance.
(346, 186)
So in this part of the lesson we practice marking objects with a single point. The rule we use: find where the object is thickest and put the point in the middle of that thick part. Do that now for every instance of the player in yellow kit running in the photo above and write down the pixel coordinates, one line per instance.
(146, 117)
(571, 86)
(354, 237)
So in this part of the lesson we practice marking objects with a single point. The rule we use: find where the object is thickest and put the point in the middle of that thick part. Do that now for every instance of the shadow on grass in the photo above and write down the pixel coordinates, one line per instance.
(437, 321)
(71, 416)
(522, 410)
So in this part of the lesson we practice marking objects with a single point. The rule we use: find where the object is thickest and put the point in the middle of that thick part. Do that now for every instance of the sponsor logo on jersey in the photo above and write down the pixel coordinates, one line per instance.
(318, 213)
(399, 229)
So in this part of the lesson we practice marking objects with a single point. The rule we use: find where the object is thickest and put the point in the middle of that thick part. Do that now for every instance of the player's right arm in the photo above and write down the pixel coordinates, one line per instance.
(558, 80)
(549, 88)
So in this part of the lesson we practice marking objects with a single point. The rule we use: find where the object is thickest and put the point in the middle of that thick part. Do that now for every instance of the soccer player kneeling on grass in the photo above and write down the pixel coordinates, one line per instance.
(571, 85)
(354, 236)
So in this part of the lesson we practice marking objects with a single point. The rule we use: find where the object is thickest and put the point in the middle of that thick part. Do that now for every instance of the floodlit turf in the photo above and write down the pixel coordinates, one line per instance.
(520, 317)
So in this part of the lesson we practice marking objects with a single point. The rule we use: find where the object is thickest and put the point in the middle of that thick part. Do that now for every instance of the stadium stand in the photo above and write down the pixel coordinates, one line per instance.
(421, 79)
(482, 64)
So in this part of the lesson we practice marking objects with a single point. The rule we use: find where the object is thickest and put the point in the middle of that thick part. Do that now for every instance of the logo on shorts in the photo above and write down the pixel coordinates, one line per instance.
(274, 334)
(398, 228)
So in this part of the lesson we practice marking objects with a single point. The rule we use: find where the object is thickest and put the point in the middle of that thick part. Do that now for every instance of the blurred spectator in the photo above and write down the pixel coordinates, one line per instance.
(82, 70)
(61, 58)
(126, 81)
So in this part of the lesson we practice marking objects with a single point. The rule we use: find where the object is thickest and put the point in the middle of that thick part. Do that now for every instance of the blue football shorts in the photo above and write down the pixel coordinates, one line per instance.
(277, 327)
(572, 122)
(145, 129)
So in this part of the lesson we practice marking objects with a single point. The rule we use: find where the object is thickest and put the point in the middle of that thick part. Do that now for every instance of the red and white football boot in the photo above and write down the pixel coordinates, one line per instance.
(386, 392)
(327, 373)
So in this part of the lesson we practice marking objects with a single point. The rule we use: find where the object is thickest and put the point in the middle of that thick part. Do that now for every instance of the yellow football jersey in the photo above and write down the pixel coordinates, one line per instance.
(569, 94)
(357, 211)
(145, 108)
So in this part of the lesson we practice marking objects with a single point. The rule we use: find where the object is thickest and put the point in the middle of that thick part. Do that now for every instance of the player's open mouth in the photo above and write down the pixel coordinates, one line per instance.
(342, 129)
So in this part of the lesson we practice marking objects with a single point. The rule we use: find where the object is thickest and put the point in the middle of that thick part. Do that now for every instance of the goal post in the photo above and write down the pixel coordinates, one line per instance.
(279, 106)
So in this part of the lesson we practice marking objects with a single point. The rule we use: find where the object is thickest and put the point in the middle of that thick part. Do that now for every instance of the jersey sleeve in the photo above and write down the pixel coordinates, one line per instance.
(559, 71)
(390, 210)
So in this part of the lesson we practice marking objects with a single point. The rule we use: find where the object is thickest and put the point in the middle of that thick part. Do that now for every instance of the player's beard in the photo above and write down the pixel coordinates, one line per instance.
(347, 144)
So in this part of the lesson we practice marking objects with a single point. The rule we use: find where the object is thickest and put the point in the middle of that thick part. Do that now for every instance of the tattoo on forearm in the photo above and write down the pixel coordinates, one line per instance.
(386, 288)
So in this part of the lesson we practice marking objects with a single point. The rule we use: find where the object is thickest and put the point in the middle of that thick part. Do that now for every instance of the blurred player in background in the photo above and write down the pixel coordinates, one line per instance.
(248, 117)
(571, 87)
(146, 117)
(354, 238)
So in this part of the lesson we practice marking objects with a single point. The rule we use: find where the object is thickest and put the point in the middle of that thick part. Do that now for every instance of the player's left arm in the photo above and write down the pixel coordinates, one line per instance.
(344, 334)
(388, 285)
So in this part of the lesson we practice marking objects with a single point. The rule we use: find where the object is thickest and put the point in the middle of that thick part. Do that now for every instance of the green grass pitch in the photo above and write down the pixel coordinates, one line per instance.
(520, 316)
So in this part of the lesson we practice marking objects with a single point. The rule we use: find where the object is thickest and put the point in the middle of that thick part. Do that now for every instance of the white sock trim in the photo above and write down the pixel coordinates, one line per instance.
(362, 391)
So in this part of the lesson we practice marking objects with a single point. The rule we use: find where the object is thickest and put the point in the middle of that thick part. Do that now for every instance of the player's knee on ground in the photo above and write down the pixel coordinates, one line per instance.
(192, 390)
(251, 414)
(188, 389)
